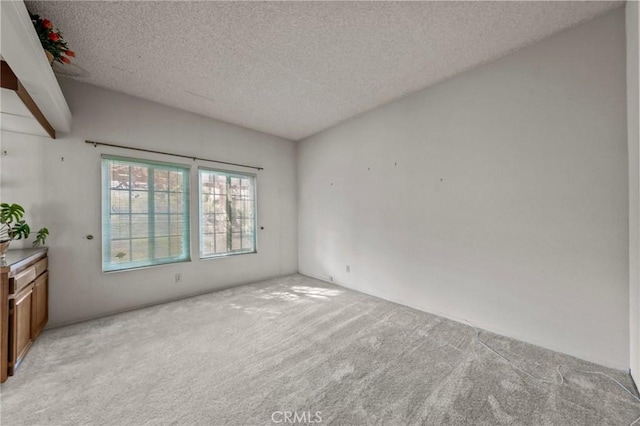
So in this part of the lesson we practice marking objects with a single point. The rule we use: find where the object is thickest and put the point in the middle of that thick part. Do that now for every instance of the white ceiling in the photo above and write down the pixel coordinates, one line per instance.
(293, 68)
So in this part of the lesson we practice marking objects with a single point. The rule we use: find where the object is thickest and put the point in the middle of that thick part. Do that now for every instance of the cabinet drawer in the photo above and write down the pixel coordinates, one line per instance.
(42, 266)
(23, 279)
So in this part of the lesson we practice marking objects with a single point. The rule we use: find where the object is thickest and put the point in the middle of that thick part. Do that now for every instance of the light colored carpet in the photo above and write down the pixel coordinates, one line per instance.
(300, 345)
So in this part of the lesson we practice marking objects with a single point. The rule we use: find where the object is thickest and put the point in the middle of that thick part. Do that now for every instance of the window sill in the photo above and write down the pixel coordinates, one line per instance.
(222, 256)
(137, 268)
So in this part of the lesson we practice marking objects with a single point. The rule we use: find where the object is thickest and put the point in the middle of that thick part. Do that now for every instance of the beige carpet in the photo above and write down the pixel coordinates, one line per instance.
(299, 345)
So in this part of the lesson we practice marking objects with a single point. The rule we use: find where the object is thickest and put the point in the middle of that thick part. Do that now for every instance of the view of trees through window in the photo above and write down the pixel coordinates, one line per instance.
(145, 217)
(227, 213)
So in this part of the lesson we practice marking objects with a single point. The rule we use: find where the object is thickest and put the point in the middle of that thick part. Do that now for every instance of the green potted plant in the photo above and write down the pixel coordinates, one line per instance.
(13, 227)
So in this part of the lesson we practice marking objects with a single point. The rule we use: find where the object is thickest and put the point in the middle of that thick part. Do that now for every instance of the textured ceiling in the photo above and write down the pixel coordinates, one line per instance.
(293, 68)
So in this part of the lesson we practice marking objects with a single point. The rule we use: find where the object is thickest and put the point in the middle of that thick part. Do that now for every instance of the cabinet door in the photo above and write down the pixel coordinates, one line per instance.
(20, 327)
(40, 306)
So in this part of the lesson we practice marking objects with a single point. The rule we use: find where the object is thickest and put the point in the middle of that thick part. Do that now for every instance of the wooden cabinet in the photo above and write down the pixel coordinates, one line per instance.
(40, 304)
(24, 305)
(20, 314)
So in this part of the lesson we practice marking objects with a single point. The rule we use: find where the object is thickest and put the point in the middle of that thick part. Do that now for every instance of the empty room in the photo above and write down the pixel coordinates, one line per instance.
(318, 212)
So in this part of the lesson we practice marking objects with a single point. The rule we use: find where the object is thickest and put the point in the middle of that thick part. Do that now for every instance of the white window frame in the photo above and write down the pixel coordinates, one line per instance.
(185, 256)
(229, 174)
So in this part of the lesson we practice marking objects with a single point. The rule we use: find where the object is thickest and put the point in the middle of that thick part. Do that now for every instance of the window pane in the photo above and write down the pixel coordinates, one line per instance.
(208, 223)
(119, 226)
(247, 226)
(162, 225)
(175, 182)
(140, 249)
(208, 186)
(221, 185)
(161, 204)
(247, 242)
(207, 205)
(143, 223)
(119, 201)
(220, 203)
(139, 201)
(139, 178)
(119, 175)
(221, 222)
(221, 243)
(177, 224)
(232, 209)
(120, 251)
(161, 246)
(175, 202)
(176, 245)
(139, 226)
(236, 241)
(208, 244)
(161, 180)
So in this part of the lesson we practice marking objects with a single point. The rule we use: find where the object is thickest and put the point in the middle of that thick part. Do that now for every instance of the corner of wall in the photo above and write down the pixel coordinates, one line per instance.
(633, 132)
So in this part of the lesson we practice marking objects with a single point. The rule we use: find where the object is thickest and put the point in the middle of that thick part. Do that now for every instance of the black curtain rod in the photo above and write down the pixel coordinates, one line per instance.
(95, 144)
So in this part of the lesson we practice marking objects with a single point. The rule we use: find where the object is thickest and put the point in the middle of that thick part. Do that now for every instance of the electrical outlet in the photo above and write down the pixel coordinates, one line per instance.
(178, 278)
(348, 268)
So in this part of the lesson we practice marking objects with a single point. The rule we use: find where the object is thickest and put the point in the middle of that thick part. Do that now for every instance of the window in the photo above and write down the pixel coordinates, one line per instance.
(145, 213)
(227, 213)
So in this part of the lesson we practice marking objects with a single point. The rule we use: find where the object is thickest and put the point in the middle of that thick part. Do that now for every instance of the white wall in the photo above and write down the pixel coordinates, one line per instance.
(499, 196)
(65, 196)
(633, 131)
